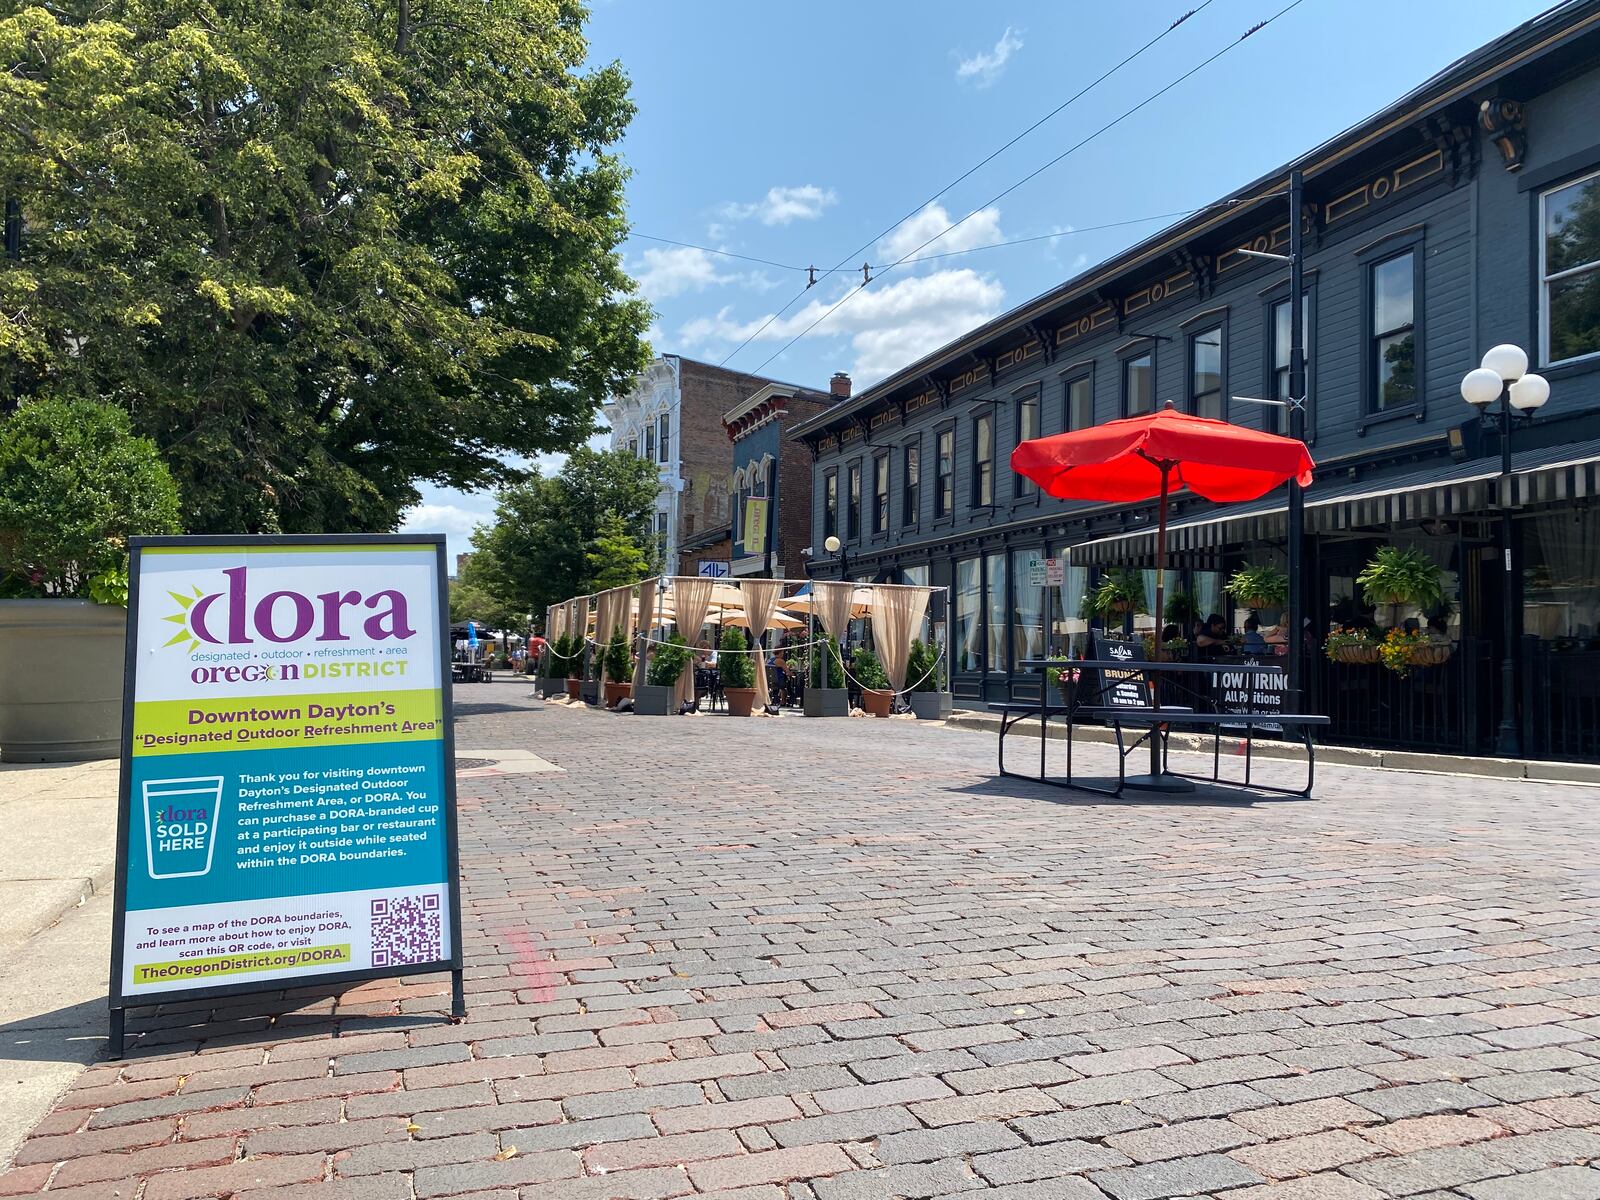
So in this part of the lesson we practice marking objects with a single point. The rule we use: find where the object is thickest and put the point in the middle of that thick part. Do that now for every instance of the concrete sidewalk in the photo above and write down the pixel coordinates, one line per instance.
(57, 863)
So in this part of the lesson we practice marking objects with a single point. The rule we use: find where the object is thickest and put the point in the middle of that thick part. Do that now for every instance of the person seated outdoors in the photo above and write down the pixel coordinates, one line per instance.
(1253, 643)
(1438, 630)
(1213, 637)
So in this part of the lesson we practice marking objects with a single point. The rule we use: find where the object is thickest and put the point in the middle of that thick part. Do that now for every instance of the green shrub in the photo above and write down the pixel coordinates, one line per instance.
(572, 656)
(618, 660)
(667, 662)
(869, 671)
(922, 674)
(75, 485)
(1259, 587)
(737, 668)
(825, 658)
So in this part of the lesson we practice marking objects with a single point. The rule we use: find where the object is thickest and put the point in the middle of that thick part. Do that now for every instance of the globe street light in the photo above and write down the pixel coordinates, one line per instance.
(833, 545)
(1504, 376)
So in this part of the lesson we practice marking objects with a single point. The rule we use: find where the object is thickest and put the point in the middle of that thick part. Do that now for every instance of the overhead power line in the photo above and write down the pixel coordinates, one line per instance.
(988, 158)
(1111, 124)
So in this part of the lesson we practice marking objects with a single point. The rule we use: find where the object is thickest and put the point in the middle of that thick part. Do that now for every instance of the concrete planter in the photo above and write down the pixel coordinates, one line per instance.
(827, 702)
(652, 701)
(552, 685)
(60, 680)
(589, 691)
(932, 706)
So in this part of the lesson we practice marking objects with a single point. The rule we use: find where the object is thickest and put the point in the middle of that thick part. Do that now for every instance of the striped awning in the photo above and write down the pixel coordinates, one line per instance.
(1425, 493)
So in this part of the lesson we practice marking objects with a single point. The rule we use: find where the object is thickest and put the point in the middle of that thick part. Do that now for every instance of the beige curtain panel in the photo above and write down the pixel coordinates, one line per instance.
(604, 618)
(691, 598)
(645, 631)
(833, 605)
(760, 602)
(896, 612)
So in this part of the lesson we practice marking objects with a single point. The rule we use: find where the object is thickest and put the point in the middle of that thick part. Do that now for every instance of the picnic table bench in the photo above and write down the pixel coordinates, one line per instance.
(1125, 693)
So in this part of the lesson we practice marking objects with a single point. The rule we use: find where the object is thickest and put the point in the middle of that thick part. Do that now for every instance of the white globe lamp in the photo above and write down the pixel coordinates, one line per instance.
(1507, 361)
(1529, 393)
(1481, 387)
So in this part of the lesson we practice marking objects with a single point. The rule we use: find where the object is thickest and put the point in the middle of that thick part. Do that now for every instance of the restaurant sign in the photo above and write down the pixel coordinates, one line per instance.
(287, 803)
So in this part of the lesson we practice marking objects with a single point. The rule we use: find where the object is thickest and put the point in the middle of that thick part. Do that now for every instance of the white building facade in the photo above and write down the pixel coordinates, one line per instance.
(646, 422)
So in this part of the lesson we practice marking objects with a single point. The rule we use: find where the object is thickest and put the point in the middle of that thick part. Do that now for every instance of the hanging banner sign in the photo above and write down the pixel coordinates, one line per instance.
(288, 787)
(755, 525)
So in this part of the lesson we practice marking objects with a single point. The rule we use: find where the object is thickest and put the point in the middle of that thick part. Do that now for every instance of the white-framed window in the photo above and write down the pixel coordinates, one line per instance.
(664, 437)
(1569, 270)
(650, 440)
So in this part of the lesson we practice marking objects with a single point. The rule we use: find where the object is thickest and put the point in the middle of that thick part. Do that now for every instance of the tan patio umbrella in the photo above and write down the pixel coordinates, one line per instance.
(860, 603)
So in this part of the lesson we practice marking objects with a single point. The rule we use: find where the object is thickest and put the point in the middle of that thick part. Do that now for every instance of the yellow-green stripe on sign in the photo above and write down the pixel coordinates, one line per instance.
(242, 964)
(262, 722)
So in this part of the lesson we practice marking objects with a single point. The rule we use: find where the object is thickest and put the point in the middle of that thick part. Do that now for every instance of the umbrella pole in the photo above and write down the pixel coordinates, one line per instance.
(1158, 780)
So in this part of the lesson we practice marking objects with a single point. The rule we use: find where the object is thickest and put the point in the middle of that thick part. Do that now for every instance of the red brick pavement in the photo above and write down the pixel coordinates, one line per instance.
(835, 959)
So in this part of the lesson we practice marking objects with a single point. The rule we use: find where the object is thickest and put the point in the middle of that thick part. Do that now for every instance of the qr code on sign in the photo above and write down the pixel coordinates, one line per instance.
(405, 929)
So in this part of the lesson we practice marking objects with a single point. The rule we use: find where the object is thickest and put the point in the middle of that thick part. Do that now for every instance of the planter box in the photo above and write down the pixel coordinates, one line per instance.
(932, 706)
(827, 702)
(589, 691)
(574, 688)
(653, 701)
(877, 701)
(60, 680)
(552, 685)
(741, 701)
(616, 691)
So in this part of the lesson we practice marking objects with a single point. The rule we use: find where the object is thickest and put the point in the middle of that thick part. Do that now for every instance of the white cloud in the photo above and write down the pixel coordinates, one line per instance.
(890, 325)
(984, 67)
(784, 204)
(443, 518)
(671, 270)
(980, 229)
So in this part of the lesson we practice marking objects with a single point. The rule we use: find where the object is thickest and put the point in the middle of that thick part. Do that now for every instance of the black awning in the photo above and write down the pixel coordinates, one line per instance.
(1424, 493)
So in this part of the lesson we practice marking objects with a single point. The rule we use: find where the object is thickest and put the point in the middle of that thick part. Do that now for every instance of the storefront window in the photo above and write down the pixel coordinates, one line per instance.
(1027, 608)
(1207, 595)
(994, 579)
(1067, 629)
(1561, 575)
(968, 605)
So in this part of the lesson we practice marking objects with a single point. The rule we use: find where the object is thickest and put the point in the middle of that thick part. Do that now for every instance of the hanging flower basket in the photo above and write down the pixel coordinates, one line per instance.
(1348, 645)
(1354, 654)
(1430, 654)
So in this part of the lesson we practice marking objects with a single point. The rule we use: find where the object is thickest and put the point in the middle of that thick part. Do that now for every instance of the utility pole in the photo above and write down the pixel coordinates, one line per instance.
(1298, 608)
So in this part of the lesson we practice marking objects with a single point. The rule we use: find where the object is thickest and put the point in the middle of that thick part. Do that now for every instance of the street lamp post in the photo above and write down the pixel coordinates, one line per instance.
(1504, 376)
(834, 546)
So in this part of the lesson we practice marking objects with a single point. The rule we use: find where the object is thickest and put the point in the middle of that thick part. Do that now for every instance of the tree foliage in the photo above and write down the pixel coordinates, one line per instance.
(555, 537)
(320, 252)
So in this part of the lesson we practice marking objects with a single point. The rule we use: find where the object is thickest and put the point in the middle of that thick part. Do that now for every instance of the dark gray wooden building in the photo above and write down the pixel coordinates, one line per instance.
(1465, 214)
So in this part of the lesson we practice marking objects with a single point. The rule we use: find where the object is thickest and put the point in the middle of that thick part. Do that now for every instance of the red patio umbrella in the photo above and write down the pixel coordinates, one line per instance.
(1158, 454)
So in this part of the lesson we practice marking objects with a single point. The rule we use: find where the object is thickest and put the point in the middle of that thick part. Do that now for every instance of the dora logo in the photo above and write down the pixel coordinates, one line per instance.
(232, 617)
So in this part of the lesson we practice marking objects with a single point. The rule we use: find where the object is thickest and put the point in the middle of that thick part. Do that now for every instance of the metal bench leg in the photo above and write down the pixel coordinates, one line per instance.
(1249, 751)
(1044, 737)
(1311, 761)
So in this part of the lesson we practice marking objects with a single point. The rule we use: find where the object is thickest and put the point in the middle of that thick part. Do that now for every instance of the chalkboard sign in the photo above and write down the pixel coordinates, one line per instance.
(1241, 690)
(1122, 689)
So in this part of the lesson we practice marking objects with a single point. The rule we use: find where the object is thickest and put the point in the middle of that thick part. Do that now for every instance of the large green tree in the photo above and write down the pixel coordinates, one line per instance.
(555, 537)
(320, 251)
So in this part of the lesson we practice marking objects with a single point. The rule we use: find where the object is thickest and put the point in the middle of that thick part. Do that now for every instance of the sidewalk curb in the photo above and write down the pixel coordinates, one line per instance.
(1533, 771)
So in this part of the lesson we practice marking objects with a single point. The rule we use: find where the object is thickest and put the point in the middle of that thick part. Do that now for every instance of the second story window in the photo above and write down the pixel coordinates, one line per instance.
(910, 483)
(1027, 430)
(830, 505)
(1276, 420)
(1569, 270)
(633, 446)
(944, 483)
(1080, 402)
(1392, 337)
(852, 511)
(1138, 385)
(1205, 373)
(983, 460)
(664, 437)
(650, 440)
(880, 494)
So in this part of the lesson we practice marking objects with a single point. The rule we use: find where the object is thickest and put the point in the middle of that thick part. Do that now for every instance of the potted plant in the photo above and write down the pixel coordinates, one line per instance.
(738, 672)
(1116, 595)
(619, 668)
(667, 664)
(75, 485)
(1259, 587)
(1398, 647)
(1064, 678)
(572, 665)
(1349, 645)
(826, 695)
(876, 695)
(1182, 610)
(553, 681)
(927, 698)
(1395, 577)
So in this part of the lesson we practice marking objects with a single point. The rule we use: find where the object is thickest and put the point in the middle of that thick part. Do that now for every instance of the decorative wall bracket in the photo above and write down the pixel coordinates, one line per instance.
(1503, 121)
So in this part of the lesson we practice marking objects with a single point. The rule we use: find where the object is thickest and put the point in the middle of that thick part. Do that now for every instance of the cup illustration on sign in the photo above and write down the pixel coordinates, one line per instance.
(181, 825)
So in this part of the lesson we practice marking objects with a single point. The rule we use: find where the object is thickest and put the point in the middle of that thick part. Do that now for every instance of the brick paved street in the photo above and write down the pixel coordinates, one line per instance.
(837, 960)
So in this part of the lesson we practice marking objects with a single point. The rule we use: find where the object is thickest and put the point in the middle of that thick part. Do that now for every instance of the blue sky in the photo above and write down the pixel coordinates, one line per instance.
(800, 133)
